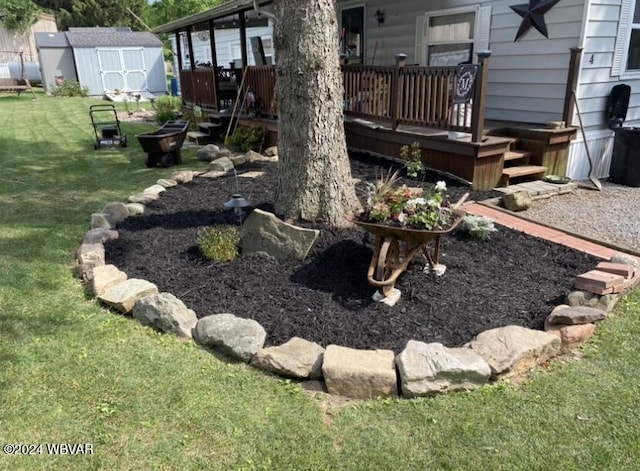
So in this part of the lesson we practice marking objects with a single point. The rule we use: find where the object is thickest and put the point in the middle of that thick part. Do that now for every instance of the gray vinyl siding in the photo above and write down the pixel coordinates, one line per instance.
(597, 78)
(526, 78)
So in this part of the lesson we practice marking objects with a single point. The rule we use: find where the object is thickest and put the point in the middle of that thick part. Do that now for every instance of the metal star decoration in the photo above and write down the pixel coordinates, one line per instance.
(533, 15)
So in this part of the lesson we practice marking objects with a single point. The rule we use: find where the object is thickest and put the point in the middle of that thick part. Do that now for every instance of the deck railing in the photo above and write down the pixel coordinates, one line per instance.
(411, 95)
(197, 87)
(261, 81)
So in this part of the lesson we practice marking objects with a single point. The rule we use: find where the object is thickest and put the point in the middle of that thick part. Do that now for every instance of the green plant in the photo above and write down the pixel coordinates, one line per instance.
(412, 155)
(166, 108)
(219, 243)
(245, 139)
(478, 227)
(70, 88)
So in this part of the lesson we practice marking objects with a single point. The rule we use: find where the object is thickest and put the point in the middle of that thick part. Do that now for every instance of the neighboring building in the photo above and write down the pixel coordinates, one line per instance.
(103, 60)
(13, 43)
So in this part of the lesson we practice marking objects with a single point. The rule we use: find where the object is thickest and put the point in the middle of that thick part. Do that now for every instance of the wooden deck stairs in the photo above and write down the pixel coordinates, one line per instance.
(210, 131)
(517, 166)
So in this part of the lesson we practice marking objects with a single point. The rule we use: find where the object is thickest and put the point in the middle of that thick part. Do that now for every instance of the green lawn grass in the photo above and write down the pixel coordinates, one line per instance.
(72, 372)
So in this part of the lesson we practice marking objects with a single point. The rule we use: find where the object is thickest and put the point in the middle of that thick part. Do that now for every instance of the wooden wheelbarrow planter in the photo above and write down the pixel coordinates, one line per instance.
(396, 247)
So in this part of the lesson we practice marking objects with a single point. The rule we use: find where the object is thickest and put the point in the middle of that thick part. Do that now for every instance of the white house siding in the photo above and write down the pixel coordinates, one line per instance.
(597, 78)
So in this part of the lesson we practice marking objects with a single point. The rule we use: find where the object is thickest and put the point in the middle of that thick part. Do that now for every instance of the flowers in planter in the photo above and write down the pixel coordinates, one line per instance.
(403, 206)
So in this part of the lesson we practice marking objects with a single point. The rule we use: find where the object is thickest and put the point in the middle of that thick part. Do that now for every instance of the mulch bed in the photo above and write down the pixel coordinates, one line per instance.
(510, 279)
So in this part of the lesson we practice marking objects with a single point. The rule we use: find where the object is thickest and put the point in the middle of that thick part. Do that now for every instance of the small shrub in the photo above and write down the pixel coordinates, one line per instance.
(70, 88)
(478, 227)
(219, 243)
(166, 108)
(412, 155)
(245, 139)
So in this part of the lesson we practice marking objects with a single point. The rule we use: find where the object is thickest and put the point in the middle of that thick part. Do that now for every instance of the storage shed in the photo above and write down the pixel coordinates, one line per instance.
(104, 60)
(56, 59)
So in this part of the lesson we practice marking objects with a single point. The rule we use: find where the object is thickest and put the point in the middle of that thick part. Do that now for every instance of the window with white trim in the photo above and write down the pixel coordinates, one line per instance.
(633, 51)
(453, 36)
(450, 38)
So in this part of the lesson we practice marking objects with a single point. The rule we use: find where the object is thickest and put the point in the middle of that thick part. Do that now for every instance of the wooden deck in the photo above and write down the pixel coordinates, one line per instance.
(483, 165)
(388, 107)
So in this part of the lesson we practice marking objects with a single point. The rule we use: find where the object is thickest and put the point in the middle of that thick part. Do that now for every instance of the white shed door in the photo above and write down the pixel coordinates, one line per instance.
(122, 69)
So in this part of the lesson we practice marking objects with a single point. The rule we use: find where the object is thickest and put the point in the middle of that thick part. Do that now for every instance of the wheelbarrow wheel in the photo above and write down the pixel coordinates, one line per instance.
(167, 160)
(149, 161)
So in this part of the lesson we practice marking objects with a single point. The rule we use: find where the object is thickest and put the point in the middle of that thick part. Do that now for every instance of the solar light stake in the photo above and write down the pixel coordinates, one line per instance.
(238, 203)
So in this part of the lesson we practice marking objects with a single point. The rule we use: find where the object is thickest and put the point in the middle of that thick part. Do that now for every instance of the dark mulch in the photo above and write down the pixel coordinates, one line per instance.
(510, 279)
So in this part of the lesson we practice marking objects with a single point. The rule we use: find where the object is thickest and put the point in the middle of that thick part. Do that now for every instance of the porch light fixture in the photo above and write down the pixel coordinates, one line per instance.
(380, 17)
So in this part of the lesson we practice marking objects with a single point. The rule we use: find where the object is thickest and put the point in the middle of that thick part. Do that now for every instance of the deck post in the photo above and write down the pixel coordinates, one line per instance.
(572, 81)
(479, 97)
(395, 89)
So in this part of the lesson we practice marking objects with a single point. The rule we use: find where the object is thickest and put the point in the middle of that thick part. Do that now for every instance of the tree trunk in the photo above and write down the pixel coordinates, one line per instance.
(314, 177)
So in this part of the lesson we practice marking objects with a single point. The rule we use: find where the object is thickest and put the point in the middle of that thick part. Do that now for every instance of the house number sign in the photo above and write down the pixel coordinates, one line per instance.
(464, 85)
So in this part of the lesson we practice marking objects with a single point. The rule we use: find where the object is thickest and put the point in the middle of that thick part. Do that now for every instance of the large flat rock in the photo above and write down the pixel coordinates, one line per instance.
(297, 358)
(263, 232)
(429, 369)
(359, 374)
(512, 350)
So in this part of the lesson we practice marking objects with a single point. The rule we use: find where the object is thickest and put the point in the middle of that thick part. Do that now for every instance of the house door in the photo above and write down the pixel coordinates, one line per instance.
(122, 69)
(352, 35)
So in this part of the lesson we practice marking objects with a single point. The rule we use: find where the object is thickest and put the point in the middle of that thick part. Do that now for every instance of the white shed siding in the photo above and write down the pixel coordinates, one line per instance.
(90, 70)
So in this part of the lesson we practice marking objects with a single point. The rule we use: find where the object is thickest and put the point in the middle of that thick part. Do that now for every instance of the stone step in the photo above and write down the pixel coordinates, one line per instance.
(197, 136)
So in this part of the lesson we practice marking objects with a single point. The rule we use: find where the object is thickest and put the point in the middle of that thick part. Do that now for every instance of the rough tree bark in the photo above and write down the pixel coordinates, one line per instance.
(314, 182)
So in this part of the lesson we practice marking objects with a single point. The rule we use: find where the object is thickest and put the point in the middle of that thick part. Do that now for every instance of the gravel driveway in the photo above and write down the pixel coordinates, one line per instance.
(611, 215)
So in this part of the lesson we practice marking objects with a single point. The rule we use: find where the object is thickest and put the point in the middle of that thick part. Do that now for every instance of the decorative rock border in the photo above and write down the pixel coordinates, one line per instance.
(421, 369)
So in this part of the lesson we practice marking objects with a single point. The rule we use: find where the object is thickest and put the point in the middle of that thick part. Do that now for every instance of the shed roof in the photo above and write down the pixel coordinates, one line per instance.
(111, 37)
(51, 40)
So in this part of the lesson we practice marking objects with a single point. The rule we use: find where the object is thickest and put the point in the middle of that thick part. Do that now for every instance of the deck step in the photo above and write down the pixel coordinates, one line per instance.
(521, 171)
(512, 155)
(208, 126)
(212, 130)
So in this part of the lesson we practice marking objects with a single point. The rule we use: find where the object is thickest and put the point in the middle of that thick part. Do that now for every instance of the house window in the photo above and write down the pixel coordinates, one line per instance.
(633, 53)
(352, 34)
(453, 36)
(450, 38)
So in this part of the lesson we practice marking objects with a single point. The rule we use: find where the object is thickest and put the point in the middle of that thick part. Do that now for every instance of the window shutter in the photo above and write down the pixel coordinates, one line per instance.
(419, 52)
(483, 29)
(617, 67)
